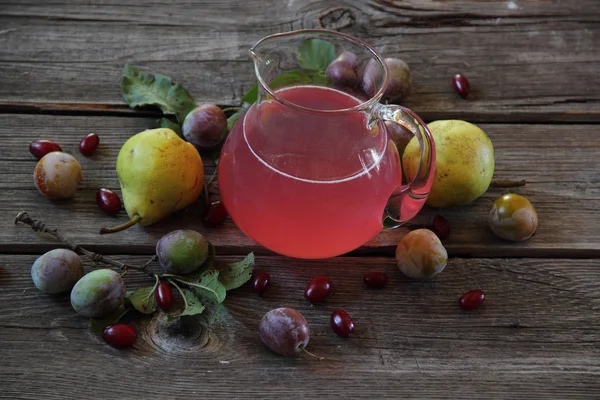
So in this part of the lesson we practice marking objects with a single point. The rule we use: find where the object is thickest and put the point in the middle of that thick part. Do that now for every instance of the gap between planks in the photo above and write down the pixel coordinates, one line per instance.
(122, 110)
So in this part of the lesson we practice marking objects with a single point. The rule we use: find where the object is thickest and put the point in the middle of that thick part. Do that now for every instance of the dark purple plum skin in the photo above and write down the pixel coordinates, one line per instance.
(372, 75)
(205, 126)
(399, 79)
(285, 331)
(344, 70)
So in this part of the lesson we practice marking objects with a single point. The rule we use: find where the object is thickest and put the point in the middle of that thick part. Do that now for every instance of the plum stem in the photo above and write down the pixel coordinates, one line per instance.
(136, 218)
(507, 183)
(38, 226)
(150, 261)
(227, 109)
(311, 354)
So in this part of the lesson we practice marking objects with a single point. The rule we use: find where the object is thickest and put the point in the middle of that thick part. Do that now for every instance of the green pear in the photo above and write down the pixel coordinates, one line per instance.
(464, 162)
(160, 173)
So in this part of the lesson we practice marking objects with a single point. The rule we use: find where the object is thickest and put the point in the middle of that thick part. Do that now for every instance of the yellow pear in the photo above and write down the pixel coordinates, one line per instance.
(160, 173)
(464, 162)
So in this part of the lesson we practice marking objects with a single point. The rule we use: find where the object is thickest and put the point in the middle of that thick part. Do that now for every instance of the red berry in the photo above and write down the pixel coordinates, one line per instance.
(471, 300)
(461, 85)
(318, 289)
(440, 227)
(261, 282)
(375, 279)
(341, 323)
(215, 215)
(88, 144)
(119, 335)
(108, 201)
(39, 148)
(164, 296)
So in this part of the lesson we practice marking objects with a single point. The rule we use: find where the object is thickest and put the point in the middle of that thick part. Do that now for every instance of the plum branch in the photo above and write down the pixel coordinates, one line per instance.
(38, 226)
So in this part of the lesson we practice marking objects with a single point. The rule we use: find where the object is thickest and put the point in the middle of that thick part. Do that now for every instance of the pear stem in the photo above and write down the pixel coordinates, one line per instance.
(507, 183)
(38, 226)
(136, 218)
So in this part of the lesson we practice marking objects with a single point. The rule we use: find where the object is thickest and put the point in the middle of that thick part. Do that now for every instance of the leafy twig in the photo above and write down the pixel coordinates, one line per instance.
(38, 226)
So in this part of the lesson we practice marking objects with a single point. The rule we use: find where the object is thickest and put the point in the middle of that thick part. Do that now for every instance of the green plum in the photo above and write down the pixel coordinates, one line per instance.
(182, 251)
(98, 293)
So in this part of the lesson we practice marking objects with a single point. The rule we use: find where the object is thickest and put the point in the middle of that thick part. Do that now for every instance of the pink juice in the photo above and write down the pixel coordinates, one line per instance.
(308, 184)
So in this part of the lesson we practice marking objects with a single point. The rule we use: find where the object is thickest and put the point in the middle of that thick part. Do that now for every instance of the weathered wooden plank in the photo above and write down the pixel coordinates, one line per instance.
(536, 336)
(261, 12)
(520, 66)
(559, 161)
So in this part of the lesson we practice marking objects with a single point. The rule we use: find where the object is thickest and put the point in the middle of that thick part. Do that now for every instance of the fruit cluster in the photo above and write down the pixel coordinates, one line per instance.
(285, 330)
(187, 261)
(102, 293)
(57, 175)
(345, 72)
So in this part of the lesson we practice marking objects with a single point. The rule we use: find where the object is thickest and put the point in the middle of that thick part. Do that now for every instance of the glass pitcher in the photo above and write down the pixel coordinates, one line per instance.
(310, 170)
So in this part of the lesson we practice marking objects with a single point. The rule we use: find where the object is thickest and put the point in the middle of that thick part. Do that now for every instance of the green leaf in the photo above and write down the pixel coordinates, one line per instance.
(209, 286)
(233, 118)
(97, 325)
(142, 299)
(236, 274)
(290, 78)
(217, 312)
(145, 89)
(193, 306)
(252, 95)
(167, 123)
(320, 78)
(315, 55)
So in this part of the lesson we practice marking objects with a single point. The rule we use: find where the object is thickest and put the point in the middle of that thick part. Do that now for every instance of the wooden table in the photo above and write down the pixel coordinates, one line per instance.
(534, 69)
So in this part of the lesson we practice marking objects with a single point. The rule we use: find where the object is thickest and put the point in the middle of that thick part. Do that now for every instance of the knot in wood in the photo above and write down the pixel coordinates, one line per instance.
(186, 336)
(337, 18)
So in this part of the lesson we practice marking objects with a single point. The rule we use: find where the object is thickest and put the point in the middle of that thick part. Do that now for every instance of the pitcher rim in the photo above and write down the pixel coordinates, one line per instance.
(361, 106)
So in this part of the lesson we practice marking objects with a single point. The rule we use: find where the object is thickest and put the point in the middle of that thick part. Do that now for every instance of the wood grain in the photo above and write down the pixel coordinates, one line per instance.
(520, 67)
(559, 162)
(535, 337)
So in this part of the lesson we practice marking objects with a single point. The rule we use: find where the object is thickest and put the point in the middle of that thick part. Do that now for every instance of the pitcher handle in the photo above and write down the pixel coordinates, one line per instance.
(407, 200)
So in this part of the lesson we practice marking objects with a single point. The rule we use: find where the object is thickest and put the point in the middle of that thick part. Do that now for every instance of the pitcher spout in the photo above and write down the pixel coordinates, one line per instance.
(254, 56)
